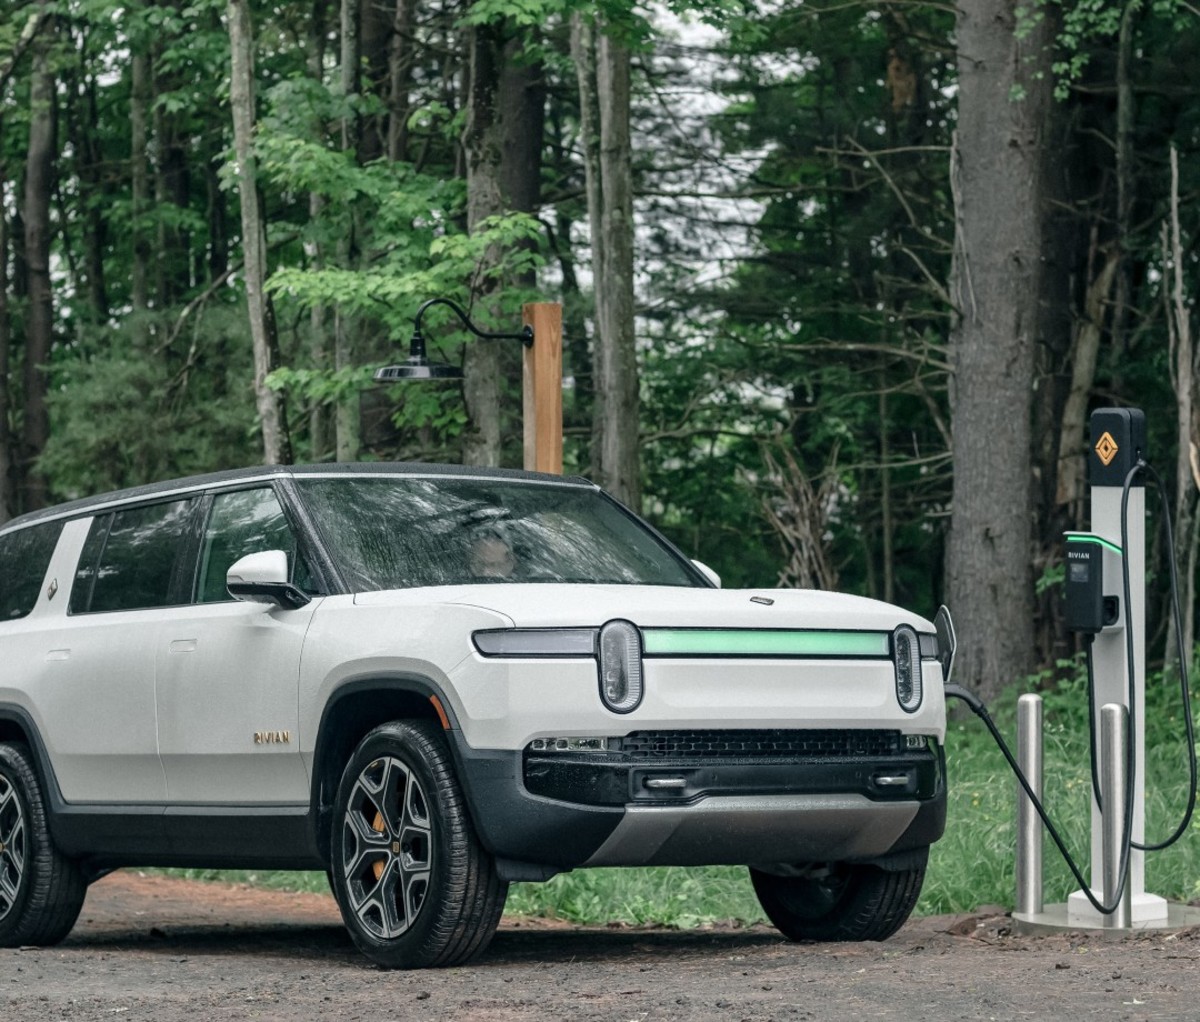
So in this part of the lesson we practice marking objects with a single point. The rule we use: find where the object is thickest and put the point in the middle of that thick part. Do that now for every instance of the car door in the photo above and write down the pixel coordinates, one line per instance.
(97, 692)
(227, 671)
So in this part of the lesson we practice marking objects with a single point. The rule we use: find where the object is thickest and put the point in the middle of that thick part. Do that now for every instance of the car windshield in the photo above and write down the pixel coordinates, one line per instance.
(396, 532)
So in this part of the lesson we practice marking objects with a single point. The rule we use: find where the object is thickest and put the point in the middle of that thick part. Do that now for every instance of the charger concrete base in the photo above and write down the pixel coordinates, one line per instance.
(1058, 919)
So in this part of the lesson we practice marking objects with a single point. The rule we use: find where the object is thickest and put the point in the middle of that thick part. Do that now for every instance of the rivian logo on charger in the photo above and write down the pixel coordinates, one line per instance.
(1106, 449)
(272, 737)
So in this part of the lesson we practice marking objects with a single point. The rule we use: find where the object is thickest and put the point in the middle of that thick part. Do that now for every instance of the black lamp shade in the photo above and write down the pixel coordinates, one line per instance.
(417, 366)
(418, 369)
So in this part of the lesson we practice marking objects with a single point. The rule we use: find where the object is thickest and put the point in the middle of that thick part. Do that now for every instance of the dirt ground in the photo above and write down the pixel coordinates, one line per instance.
(157, 948)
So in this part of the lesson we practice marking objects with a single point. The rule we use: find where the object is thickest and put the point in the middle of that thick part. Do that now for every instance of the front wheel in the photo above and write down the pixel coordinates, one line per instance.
(414, 885)
(840, 900)
(41, 890)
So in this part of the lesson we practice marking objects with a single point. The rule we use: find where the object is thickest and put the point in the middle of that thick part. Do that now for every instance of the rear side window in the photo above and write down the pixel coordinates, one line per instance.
(129, 559)
(24, 557)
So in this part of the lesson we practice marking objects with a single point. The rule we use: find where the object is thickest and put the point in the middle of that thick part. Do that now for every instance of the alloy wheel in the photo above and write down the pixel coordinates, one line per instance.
(387, 847)
(12, 846)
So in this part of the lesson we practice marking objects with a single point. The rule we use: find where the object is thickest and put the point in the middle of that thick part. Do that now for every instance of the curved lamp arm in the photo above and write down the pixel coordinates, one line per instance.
(419, 367)
(525, 336)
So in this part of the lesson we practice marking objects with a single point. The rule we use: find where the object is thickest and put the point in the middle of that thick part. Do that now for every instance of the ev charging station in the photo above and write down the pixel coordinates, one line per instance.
(1100, 604)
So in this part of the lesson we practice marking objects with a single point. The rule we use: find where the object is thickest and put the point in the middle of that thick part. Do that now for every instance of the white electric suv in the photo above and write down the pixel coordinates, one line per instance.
(431, 681)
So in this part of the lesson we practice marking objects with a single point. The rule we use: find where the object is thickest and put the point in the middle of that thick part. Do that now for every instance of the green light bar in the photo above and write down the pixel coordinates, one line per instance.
(1091, 537)
(763, 642)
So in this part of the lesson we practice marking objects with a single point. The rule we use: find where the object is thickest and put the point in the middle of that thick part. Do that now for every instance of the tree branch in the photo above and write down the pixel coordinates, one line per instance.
(33, 25)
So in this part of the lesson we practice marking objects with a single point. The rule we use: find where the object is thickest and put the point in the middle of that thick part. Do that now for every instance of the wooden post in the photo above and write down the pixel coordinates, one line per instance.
(542, 388)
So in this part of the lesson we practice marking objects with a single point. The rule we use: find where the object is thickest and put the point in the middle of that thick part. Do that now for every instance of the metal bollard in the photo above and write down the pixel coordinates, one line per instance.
(1114, 781)
(1029, 824)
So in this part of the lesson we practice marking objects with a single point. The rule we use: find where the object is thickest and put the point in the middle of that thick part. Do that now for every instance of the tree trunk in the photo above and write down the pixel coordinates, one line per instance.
(583, 55)
(577, 363)
(374, 38)
(886, 518)
(262, 324)
(502, 144)
(603, 68)
(318, 417)
(616, 416)
(171, 186)
(997, 177)
(39, 187)
(482, 147)
(6, 488)
(82, 119)
(400, 69)
(218, 216)
(1072, 446)
(139, 104)
(350, 54)
(1184, 368)
(522, 104)
(348, 414)
(213, 150)
(1126, 112)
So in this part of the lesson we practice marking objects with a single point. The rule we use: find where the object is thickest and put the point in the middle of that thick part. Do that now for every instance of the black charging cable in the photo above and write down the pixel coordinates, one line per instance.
(980, 710)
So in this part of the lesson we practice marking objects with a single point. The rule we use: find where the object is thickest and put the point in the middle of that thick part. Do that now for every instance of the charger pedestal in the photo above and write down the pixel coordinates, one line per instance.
(1118, 439)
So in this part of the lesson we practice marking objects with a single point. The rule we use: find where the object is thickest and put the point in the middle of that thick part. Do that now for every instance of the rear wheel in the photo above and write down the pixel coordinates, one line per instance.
(41, 890)
(840, 901)
(415, 886)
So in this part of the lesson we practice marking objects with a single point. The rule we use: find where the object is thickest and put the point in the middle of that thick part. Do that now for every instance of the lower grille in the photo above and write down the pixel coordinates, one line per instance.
(771, 743)
(660, 767)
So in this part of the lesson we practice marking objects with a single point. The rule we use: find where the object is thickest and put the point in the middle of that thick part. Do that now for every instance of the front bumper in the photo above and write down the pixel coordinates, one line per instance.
(674, 767)
(706, 799)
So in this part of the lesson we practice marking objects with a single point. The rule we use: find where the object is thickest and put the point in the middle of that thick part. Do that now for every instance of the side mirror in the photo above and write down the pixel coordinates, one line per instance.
(263, 578)
(708, 573)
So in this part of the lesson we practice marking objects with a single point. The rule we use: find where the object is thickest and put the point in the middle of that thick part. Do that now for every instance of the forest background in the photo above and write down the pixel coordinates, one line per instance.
(841, 281)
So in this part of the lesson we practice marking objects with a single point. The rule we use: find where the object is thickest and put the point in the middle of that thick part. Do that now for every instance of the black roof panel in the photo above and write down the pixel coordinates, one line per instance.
(202, 482)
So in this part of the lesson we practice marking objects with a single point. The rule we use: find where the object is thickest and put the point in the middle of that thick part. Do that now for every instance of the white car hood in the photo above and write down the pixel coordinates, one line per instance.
(551, 605)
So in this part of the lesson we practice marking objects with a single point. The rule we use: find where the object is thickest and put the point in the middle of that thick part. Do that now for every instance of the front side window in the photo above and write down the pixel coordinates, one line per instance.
(242, 522)
(129, 559)
(24, 557)
(400, 532)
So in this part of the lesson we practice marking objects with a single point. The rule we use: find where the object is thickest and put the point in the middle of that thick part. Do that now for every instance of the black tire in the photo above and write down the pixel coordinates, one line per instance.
(41, 890)
(414, 885)
(840, 901)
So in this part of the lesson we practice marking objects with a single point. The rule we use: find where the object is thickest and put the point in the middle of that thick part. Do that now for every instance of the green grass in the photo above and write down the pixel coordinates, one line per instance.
(273, 880)
(971, 866)
(659, 896)
(974, 863)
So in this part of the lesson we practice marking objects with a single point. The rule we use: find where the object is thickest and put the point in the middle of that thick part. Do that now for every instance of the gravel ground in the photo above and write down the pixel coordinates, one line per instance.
(158, 948)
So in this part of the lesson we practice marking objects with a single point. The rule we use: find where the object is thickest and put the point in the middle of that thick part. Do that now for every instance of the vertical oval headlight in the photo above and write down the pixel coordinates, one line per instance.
(906, 652)
(620, 666)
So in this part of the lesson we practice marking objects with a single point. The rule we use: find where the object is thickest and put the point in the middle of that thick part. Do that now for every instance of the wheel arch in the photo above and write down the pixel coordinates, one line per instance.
(17, 725)
(357, 706)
